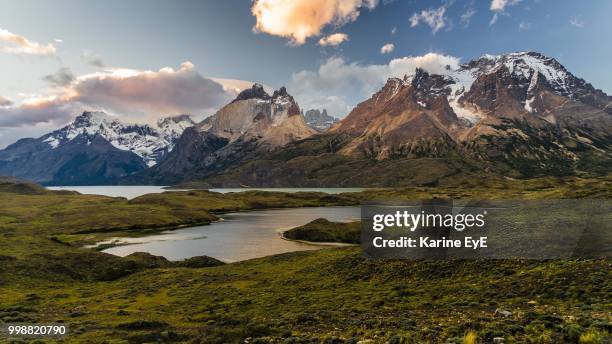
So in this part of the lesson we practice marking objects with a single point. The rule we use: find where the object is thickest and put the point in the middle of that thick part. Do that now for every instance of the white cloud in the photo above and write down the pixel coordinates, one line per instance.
(17, 44)
(500, 5)
(387, 48)
(435, 18)
(394, 30)
(333, 39)
(577, 22)
(466, 17)
(337, 80)
(298, 20)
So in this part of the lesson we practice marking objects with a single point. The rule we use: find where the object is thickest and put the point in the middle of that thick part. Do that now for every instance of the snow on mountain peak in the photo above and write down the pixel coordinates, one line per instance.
(148, 142)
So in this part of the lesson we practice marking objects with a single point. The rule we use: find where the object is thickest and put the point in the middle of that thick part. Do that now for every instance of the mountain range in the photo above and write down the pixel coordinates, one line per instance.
(93, 149)
(517, 115)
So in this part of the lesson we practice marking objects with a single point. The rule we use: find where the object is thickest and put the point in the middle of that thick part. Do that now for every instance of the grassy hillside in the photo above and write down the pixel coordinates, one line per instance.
(322, 230)
(330, 296)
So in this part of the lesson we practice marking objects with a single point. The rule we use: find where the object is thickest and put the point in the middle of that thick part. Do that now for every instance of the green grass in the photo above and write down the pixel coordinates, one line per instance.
(322, 230)
(330, 296)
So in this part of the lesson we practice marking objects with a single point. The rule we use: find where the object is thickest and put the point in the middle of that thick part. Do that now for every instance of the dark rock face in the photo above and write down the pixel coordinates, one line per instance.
(193, 152)
(85, 160)
(255, 92)
(319, 120)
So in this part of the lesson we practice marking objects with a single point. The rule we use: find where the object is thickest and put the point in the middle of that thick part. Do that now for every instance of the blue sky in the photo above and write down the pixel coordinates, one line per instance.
(96, 54)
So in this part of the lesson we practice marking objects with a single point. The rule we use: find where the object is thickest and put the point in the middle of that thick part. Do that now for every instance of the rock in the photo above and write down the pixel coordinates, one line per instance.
(503, 313)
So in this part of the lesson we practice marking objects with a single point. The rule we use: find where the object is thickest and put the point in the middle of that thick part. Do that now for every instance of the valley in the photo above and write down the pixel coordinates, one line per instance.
(47, 276)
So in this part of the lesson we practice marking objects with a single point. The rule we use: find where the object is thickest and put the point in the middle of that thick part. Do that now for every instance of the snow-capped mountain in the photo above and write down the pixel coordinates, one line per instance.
(94, 149)
(148, 142)
(253, 123)
(518, 115)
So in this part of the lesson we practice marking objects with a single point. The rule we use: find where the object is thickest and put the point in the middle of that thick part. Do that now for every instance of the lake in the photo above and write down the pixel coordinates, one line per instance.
(239, 236)
(132, 191)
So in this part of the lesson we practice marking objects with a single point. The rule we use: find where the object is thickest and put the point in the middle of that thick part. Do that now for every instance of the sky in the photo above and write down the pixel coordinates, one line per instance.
(145, 59)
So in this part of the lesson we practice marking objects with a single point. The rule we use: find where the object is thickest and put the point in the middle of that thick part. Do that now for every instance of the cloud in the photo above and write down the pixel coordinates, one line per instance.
(525, 26)
(16, 44)
(140, 94)
(5, 101)
(298, 20)
(92, 59)
(333, 39)
(500, 5)
(62, 77)
(466, 17)
(387, 48)
(394, 30)
(577, 22)
(493, 20)
(435, 18)
(36, 111)
(155, 92)
(235, 86)
(337, 80)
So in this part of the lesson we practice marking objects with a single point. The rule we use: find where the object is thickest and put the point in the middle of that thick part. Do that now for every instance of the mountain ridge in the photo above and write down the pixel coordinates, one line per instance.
(518, 115)
(94, 148)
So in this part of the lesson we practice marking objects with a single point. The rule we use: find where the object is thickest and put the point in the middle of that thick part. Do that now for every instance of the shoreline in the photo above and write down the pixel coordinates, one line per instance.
(314, 243)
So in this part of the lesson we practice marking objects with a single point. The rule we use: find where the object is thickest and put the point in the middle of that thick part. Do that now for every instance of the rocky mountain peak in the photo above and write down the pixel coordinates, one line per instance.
(255, 92)
(175, 119)
(148, 142)
(281, 92)
(92, 118)
(319, 120)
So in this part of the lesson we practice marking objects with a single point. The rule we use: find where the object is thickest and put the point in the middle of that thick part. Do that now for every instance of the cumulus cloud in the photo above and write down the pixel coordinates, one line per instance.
(338, 85)
(5, 101)
(16, 44)
(139, 94)
(62, 77)
(387, 48)
(156, 92)
(466, 17)
(577, 22)
(333, 39)
(434, 18)
(298, 20)
(34, 111)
